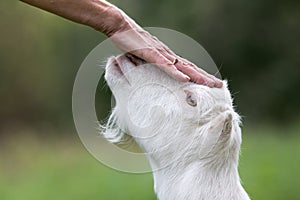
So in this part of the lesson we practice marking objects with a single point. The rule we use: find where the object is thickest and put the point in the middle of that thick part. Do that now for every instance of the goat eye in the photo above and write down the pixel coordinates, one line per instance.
(190, 99)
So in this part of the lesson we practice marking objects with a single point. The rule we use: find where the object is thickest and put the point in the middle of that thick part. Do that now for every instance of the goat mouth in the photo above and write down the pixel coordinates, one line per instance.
(122, 62)
(118, 63)
(116, 69)
(136, 61)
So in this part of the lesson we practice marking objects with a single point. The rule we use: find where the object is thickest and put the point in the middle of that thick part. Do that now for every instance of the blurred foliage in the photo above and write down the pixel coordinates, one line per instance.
(255, 43)
(33, 168)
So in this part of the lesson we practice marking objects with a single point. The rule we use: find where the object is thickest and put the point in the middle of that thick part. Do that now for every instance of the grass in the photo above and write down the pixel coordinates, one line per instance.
(270, 163)
(33, 168)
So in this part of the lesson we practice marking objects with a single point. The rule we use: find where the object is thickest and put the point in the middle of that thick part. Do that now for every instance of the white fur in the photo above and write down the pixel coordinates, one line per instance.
(193, 150)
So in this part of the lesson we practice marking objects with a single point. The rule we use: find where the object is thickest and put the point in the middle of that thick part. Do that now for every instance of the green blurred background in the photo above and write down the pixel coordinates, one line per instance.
(255, 43)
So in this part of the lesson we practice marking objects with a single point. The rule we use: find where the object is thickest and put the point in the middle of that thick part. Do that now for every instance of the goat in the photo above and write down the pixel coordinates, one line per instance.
(190, 133)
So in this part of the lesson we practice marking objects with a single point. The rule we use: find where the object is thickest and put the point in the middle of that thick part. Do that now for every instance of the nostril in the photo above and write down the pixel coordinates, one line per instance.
(114, 62)
(117, 66)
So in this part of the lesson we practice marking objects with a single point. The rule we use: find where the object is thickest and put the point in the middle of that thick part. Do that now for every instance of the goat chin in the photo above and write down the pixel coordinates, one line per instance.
(190, 133)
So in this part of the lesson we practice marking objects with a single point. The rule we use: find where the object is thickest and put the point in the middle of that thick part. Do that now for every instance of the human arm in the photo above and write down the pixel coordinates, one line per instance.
(113, 22)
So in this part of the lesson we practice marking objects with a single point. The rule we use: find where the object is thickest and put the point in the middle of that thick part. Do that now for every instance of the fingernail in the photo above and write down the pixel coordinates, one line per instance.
(181, 77)
(219, 84)
(211, 84)
(187, 78)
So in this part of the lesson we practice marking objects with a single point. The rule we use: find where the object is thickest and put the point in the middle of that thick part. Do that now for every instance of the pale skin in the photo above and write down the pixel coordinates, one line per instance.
(127, 36)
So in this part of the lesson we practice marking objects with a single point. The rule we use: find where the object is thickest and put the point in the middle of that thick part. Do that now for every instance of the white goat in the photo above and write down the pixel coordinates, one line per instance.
(190, 132)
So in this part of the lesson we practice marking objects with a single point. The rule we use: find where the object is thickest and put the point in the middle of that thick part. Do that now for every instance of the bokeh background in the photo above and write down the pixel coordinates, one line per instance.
(255, 44)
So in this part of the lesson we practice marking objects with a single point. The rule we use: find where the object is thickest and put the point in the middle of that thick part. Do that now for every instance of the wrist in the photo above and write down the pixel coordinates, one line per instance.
(122, 22)
(109, 19)
(118, 21)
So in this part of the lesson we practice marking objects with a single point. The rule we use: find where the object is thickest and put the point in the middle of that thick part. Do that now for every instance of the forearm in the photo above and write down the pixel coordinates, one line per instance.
(112, 21)
(97, 14)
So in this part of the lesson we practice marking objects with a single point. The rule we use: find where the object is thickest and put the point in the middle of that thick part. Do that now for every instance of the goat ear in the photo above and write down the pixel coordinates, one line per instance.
(222, 124)
(227, 124)
(218, 131)
(220, 127)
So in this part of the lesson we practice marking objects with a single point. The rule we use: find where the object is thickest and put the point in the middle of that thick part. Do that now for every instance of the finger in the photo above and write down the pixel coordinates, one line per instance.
(151, 56)
(155, 57)
(196, 76)
(217, 82)
(202, 78)
(190, 69)
(174, 72)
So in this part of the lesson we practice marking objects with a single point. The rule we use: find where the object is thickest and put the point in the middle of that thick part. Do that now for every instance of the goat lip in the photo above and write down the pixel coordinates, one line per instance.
(120, 62)
(116, 67)
(124, 64)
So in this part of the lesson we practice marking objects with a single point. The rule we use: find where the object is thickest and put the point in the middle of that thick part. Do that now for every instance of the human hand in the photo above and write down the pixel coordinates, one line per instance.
(130, 37)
